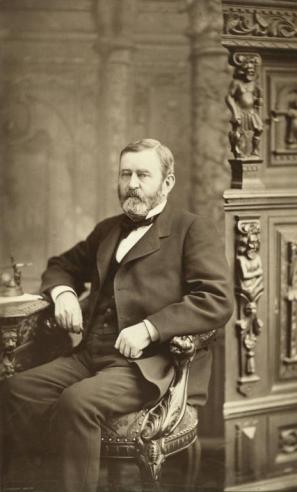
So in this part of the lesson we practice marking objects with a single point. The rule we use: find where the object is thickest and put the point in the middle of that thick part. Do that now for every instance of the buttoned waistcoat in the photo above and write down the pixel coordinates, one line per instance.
(176, 276)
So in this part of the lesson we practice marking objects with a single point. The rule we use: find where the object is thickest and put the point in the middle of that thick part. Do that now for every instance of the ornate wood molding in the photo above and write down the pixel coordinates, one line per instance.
(259, 27)
(268, 22)
(258, 43)
(240, 200)
(249, 288)
(258, 406)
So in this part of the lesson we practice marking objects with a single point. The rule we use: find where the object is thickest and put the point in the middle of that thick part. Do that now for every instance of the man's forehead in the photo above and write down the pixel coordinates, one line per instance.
(147, 158)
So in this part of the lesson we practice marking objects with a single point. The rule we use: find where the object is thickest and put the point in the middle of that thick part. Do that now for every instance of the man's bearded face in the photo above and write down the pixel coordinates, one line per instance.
(141, 185)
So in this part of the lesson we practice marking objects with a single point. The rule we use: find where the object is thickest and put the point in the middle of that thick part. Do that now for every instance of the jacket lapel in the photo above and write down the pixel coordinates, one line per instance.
(106, 249)
(150, 242)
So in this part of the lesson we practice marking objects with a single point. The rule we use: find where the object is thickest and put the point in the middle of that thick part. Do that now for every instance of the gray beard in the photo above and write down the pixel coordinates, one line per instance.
(134, 207)
(137, 207)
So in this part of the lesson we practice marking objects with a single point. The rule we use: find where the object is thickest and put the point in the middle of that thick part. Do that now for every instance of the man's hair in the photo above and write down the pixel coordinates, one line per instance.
(164, 153)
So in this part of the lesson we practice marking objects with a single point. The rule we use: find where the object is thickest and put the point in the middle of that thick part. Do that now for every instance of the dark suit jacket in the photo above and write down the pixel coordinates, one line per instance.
(176, 276)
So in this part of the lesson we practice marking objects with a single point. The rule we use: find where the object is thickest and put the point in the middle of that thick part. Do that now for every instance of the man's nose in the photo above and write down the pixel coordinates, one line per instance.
(134, 181)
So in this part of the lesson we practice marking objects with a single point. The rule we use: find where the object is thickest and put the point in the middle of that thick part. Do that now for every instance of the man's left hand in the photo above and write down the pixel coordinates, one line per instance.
(132, 340)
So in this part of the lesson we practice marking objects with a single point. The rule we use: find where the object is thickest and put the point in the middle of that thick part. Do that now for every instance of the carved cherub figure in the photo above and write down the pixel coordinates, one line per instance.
(244, 99)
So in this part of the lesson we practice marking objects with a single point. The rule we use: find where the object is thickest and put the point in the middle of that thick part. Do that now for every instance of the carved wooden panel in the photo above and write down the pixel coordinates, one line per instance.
(283, 279)
(281, 91)
(287, 242)
(282, 443)
(245, 449)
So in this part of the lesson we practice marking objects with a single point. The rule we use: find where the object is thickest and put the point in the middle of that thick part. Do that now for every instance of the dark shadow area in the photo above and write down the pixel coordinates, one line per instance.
(32, 476)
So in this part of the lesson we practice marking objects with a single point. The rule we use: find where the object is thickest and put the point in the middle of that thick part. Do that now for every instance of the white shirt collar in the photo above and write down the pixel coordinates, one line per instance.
(157, 210)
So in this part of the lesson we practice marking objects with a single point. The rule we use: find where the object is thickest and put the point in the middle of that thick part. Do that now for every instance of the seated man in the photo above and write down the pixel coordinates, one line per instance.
(155, 272)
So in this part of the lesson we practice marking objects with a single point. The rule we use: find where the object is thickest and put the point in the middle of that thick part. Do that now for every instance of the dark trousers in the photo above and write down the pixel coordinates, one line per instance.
(64, 402)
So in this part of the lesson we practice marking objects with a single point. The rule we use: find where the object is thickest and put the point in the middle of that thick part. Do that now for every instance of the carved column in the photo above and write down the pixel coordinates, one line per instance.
(116, 21)
(210, 174)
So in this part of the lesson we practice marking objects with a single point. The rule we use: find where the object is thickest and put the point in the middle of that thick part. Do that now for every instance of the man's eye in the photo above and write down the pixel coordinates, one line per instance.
(142, 175)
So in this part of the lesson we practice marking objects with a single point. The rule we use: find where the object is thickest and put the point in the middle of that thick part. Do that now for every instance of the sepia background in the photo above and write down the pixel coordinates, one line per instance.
(79, 80)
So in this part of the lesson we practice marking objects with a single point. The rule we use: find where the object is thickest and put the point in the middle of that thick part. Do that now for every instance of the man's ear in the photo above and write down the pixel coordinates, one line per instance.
(169, 183)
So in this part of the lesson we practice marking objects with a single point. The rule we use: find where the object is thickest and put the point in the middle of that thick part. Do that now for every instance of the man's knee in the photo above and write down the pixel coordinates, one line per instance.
(73, 404)
(69, 402)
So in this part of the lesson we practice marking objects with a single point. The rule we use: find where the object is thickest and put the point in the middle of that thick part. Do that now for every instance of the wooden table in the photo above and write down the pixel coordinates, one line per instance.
(18, 326)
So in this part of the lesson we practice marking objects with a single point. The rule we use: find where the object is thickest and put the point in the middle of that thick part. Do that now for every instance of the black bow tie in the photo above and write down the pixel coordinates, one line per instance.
(129, 225)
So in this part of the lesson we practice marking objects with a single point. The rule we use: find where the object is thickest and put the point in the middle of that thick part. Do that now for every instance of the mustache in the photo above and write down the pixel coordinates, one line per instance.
(133, 194)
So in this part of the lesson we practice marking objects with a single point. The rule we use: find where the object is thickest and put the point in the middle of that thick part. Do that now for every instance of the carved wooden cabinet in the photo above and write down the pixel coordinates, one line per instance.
(260, 346)
(260, 409)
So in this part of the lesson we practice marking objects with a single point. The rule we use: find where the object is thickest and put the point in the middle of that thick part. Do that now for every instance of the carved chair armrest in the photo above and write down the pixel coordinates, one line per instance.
(184, 346)
(165, 416)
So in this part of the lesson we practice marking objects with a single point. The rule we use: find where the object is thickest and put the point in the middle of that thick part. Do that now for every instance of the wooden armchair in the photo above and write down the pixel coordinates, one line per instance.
(148, 436)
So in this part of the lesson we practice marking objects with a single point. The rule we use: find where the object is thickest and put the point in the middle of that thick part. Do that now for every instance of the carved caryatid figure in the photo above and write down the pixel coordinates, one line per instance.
(249, 287)
(250, 271)
(244, 100)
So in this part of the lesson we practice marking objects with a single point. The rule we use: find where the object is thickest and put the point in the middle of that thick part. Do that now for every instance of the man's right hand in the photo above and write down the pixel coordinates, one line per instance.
(68, 312)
